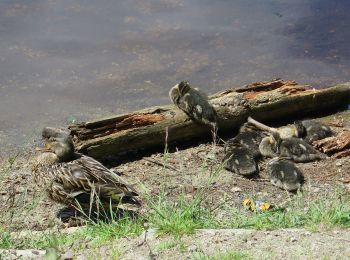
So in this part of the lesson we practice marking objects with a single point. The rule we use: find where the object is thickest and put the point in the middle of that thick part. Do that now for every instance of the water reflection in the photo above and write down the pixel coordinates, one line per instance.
(80, 59)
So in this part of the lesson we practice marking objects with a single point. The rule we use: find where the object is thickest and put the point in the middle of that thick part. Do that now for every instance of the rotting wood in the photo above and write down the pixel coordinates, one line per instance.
(146, 128)
(338, 146)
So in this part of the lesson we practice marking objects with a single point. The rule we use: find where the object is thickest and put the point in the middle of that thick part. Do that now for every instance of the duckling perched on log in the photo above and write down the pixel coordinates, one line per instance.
(80, 181)
(194, 103)
(284, 174)
(297, 149)
(239, 159)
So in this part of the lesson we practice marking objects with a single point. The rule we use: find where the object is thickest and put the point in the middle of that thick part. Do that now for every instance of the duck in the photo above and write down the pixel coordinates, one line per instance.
(79, 181)
(194, 103)
(240, 160)
(268, 146)
(284, 174)
(248, 136)
(295, 148)
(312, 130)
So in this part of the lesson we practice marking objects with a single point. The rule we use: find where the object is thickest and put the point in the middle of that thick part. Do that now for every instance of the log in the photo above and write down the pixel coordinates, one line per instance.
(147, 128)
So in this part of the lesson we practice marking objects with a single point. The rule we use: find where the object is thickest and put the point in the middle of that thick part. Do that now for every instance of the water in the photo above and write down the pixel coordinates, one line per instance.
(63, 60)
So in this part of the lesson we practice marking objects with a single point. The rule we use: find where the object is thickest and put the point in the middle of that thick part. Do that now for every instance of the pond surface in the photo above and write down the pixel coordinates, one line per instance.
(64, 60)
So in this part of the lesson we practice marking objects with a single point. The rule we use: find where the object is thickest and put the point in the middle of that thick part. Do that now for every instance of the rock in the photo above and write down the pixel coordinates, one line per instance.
(236, 189)
(293, 239)
(68, 255)
(192, 248)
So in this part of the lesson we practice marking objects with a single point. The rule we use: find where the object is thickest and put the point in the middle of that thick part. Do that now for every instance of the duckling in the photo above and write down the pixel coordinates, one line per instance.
(250, 137)
(79, 181)
(297, 149)
(194, 103)
(240, 160)
(268, 146)
(284, 174)
(312, 130)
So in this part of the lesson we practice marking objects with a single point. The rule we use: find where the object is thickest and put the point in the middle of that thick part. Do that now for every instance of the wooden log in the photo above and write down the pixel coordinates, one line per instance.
(147, 128)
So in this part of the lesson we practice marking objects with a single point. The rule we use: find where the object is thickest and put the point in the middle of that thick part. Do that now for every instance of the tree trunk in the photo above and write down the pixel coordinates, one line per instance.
(149, 127)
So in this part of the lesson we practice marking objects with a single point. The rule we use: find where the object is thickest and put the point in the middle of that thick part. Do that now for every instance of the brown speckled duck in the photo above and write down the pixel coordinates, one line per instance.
(80, 181)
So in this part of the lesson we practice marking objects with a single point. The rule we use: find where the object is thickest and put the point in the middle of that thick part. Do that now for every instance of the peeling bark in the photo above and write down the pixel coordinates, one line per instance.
(338, 146)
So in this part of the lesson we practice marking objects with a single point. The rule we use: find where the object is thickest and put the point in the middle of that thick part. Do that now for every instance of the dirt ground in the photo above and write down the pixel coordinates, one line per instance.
(186, 171)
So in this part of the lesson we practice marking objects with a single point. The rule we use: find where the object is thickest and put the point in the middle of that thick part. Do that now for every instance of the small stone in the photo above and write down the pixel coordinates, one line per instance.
(338, 164)
(236, 189)
(293, 239)
(68, 255)
(316, 190)
(192, 248)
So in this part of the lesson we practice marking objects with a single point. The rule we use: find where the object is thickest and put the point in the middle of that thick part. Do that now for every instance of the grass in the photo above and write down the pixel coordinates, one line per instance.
(95, 235)
(324, 212)
(180, 217)
(184, 215)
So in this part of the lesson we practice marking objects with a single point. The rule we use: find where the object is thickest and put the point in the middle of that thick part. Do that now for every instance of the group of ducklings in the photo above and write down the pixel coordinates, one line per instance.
(285, 146)
(82, 183)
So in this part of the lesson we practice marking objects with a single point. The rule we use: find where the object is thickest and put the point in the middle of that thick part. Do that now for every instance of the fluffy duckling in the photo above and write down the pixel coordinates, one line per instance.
(299, 150)
(250, 137)
(296, 149)
(312, 130)
(194, 103)
(268, 146)
(284, 174)
(80, 181)
(240, 160)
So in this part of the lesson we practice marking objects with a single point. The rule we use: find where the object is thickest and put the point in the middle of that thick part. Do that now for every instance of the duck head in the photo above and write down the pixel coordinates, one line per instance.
(62, 147)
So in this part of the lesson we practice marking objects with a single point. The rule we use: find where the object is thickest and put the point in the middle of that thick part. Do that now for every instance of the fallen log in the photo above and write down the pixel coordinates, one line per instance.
(147, 128)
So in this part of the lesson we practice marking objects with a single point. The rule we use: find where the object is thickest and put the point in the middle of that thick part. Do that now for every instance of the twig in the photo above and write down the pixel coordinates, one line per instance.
(261, 126)
(252, 179)
(161, 164)
(151, 254)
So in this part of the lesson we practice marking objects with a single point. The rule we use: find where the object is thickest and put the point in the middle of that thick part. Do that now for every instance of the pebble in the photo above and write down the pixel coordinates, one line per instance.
(192, 248)
(338, 164)
(236, 189)
(293, 239)
(68, 255)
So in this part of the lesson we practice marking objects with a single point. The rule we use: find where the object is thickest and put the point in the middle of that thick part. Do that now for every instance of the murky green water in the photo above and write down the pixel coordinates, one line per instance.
(63, 59)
